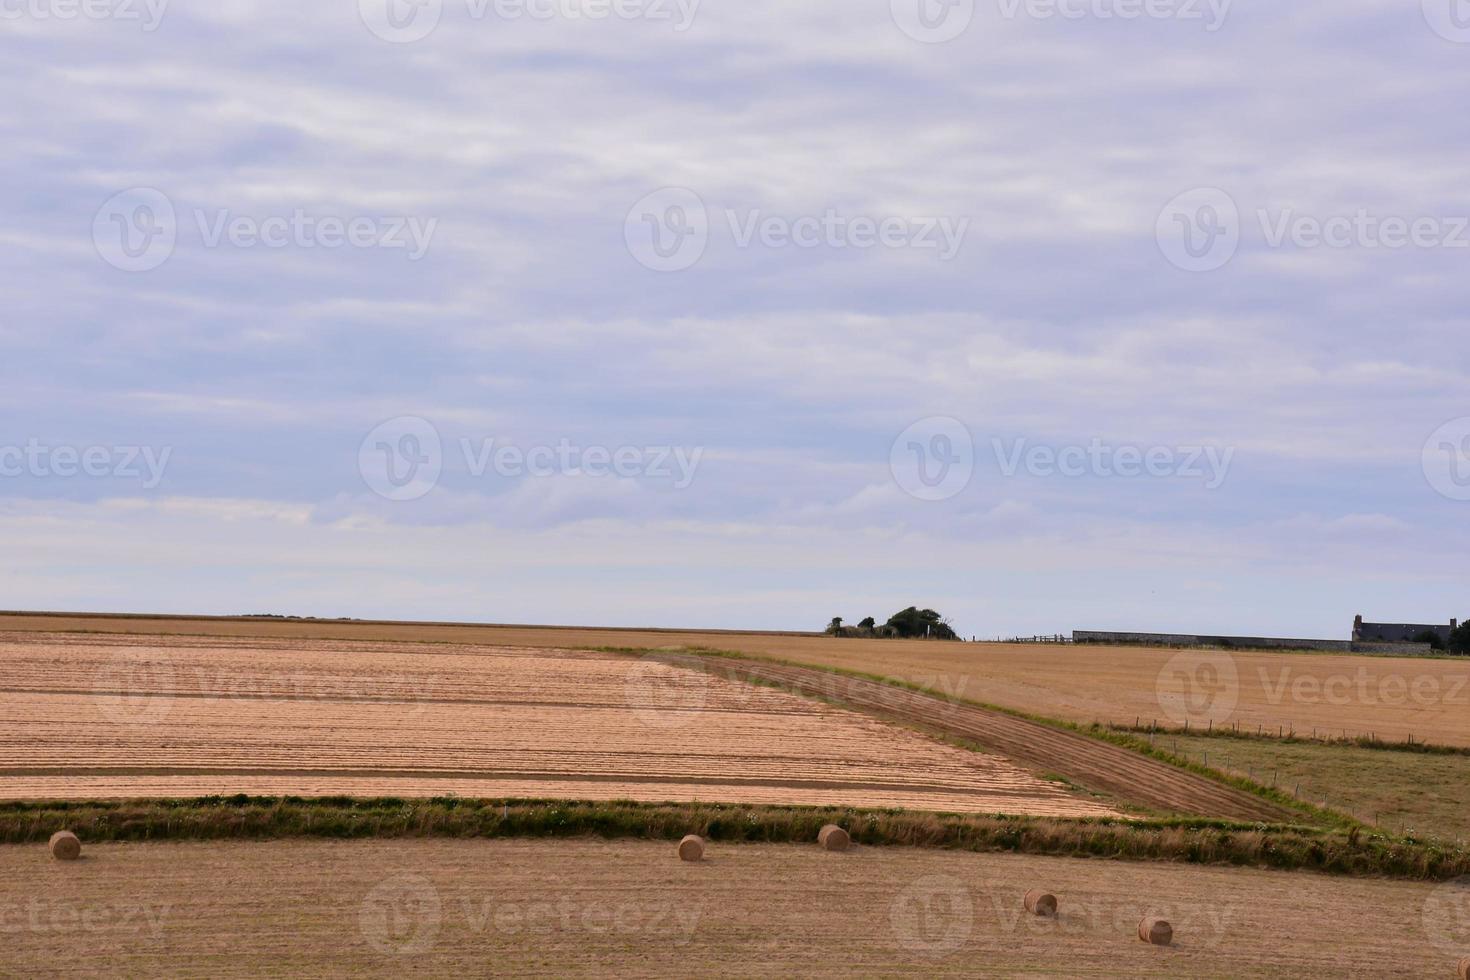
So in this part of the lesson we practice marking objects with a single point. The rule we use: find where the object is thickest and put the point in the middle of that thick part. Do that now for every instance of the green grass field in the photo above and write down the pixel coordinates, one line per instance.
(1419, 792)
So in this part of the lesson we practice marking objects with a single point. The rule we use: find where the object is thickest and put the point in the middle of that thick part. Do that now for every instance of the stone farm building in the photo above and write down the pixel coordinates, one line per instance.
(1398, 632)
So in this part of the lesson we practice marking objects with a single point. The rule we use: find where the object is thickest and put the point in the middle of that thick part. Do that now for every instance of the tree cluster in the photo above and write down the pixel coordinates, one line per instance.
(910, 623)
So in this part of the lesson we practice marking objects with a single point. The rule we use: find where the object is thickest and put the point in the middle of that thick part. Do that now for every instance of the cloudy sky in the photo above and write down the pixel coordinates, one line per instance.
(1048, 314)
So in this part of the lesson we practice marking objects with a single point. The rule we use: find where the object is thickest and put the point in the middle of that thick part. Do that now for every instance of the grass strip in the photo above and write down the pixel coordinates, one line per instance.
(1191, 841)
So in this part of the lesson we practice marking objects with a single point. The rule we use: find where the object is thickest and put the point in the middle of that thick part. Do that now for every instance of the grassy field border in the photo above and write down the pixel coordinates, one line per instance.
(1205, 842)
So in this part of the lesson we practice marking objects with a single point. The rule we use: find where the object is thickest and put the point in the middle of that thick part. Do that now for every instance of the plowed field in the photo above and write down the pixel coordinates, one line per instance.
(1390, 697)
(97, 717)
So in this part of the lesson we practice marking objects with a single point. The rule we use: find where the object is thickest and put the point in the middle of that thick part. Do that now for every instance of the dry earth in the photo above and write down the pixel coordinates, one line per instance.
(1390, 697)
(89, 717)
(563, 908)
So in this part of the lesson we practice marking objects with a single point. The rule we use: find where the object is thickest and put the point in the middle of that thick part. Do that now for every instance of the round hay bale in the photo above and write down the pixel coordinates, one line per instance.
(65, 846)
(691, 848)
(833, 838)
(1042, 903)
(1155, 930)
(1465, 968)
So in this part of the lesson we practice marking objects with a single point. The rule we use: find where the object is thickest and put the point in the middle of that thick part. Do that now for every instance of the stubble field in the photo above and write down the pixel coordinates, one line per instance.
(1392, 698)
(577, 908)
(95, 717)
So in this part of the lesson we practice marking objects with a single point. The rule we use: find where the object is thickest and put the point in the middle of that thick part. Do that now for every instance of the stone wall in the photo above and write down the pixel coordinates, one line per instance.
(1248, 642)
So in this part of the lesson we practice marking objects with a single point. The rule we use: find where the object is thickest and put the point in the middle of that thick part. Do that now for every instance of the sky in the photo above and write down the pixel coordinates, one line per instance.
(1046, 314)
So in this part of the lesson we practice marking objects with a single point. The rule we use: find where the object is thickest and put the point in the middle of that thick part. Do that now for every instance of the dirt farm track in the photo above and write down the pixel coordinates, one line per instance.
(1390, 697)
(564, 908)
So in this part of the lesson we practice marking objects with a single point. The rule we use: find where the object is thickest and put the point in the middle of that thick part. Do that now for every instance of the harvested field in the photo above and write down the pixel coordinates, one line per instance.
(1391, 697)
(579, 907)
(105, 717)
(1093, 763)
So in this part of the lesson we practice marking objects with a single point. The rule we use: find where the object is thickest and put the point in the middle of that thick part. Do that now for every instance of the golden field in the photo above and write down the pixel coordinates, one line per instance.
(583, 908)
(1390, 697)
(96, 717)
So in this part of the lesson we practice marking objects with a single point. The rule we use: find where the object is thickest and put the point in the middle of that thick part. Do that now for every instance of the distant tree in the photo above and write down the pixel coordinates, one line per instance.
(1430, 637)
(919, 623)
(1460, 639)
(868, 623)
(835, 627)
